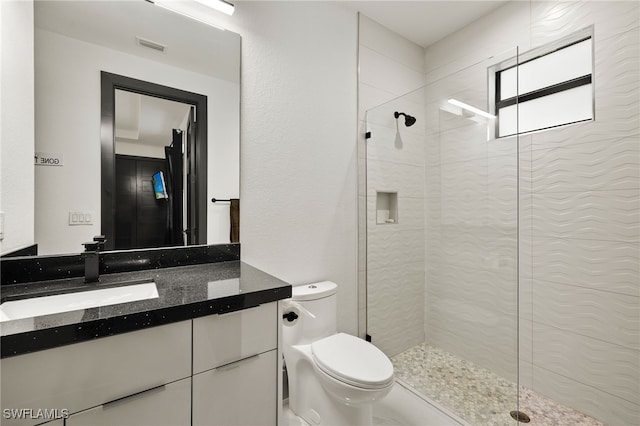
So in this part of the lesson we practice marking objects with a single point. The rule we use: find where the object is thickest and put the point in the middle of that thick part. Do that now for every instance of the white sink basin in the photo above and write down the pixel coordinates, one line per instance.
(46, 305)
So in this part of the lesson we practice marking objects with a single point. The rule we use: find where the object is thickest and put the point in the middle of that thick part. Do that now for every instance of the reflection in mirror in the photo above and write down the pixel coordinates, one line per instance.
(152, 168)
(75, 41)
(132, 216)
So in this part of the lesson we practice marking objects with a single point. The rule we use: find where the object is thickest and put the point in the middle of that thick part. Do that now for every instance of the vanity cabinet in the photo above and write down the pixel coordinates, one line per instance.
(94, 372)
(212, 370)
(235, 366)
(242, 393)
(166, 405)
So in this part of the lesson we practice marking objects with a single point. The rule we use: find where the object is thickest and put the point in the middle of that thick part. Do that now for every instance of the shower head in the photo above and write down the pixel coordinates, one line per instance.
(408, 120)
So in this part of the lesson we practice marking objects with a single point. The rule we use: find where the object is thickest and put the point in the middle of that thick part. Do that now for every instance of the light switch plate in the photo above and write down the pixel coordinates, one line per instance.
(80, 218)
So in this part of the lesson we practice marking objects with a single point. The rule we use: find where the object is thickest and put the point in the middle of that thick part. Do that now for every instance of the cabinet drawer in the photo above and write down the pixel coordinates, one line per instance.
(168, 405)
(88, 374)
(222, 339)
(243, 393)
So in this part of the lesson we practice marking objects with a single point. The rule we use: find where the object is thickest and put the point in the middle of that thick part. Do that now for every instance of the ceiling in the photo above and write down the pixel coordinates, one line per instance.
(119, 25)
(425, 22)
(147, 120)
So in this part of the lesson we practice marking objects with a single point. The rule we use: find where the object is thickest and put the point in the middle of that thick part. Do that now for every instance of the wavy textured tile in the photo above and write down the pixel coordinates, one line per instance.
(380, 71)
(599, 364)
(598, 215)
(483, 288)
(592, 401)
(463, 143)
(406, 180)
(388, 247)
(581, 310)
(552, 20)
(598, 265)
(478, 247)
(395, 145)
(390, 291)
(604, 165)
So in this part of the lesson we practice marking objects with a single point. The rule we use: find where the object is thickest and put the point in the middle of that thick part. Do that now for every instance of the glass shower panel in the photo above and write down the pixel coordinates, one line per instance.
(442, 258)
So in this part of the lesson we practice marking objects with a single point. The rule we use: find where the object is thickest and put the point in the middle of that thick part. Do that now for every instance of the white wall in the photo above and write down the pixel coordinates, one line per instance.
(16, 116)
(298, 156)
(139, 149)
(68, 91)
(391, 264)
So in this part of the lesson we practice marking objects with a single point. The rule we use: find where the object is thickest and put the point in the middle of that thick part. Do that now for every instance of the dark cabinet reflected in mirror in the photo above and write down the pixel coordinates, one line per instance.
(77, 43)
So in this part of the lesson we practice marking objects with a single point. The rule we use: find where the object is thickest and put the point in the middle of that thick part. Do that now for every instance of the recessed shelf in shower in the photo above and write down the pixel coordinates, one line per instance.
(386, 208)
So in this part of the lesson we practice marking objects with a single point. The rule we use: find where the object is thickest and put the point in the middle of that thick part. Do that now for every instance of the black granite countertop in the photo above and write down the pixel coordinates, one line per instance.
(185, 292)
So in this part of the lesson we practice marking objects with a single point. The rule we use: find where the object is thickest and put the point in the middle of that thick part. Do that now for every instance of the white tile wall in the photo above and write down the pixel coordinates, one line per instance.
(396, 306)
(393, 160)
(607, 266)
(579, 218)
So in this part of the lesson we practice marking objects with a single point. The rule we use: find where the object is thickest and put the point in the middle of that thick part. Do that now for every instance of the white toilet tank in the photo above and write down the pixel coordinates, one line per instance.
(308, 301)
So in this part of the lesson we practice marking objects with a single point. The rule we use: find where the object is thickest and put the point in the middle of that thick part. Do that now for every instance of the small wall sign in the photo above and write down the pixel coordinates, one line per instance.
(48, 159)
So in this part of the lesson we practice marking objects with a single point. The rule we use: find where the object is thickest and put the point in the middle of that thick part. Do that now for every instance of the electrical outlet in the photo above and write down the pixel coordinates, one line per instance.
(80, 218)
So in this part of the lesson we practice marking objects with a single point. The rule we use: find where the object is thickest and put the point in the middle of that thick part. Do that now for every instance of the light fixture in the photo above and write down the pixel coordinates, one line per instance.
(199, 10)
(219, 5)
(471, 108)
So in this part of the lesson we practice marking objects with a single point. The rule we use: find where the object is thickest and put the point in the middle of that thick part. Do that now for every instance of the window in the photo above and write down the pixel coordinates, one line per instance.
(547, 87)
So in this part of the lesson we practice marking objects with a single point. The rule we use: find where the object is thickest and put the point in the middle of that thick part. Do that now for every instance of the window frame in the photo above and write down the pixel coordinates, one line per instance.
(532, 55)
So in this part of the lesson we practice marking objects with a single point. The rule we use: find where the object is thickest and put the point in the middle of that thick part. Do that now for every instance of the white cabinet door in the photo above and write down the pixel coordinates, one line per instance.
(87, 374)
(168, 405)
(243, 393)
(221, 339)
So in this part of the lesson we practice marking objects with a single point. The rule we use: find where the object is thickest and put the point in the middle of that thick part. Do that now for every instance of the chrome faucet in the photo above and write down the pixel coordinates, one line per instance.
(91, 257)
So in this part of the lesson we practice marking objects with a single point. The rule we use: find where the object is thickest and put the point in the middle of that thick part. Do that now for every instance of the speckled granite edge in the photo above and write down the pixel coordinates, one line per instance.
(15, 270)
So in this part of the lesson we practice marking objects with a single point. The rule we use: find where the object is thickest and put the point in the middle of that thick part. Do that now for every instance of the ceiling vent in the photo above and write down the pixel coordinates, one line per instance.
(151, 44)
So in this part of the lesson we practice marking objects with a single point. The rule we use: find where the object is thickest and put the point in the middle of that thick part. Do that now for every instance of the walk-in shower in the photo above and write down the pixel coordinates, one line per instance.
(493, 289)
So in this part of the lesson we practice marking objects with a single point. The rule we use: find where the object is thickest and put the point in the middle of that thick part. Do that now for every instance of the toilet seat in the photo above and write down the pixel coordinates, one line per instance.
(353, 361)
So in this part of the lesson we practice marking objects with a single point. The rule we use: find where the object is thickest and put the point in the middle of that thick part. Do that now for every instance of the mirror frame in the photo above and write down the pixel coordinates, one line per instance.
(108, 84)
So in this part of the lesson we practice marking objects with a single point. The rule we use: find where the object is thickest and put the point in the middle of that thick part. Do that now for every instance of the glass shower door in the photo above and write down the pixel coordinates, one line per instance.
(442, 245)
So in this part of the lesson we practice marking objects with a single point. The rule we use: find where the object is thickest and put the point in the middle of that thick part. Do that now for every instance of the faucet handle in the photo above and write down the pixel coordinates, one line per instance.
(101, 240)
(91, 246)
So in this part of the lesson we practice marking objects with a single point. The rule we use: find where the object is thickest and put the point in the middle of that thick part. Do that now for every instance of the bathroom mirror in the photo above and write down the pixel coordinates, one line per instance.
(76, 43)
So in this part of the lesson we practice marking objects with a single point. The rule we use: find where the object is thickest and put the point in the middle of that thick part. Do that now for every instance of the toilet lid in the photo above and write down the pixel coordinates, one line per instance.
(352, 360)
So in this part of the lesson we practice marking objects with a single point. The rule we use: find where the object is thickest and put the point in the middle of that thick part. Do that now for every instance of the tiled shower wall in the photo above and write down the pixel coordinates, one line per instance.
(391, 255)
(471, 229)
(579, 243)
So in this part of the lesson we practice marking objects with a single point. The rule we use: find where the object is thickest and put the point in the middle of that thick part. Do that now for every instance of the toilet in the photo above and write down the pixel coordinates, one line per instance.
(334, 378)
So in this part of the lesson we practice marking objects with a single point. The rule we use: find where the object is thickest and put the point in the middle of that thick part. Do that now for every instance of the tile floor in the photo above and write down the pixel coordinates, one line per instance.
(400, 408)
(477, 395)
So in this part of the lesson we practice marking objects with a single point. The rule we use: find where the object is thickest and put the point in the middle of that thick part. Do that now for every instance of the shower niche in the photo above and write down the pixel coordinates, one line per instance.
(386, 208)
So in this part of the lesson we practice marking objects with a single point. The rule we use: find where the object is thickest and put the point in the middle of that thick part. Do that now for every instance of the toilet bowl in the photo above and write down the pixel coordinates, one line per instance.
(334, 378)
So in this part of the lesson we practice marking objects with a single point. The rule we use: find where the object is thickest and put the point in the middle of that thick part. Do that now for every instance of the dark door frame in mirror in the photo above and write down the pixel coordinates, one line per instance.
(109, 83)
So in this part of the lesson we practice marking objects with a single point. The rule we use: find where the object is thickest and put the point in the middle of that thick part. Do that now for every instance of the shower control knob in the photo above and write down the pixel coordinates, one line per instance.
(290, 316)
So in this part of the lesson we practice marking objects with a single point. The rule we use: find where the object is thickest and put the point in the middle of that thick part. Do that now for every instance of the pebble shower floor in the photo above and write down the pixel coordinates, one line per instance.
(477, 395)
